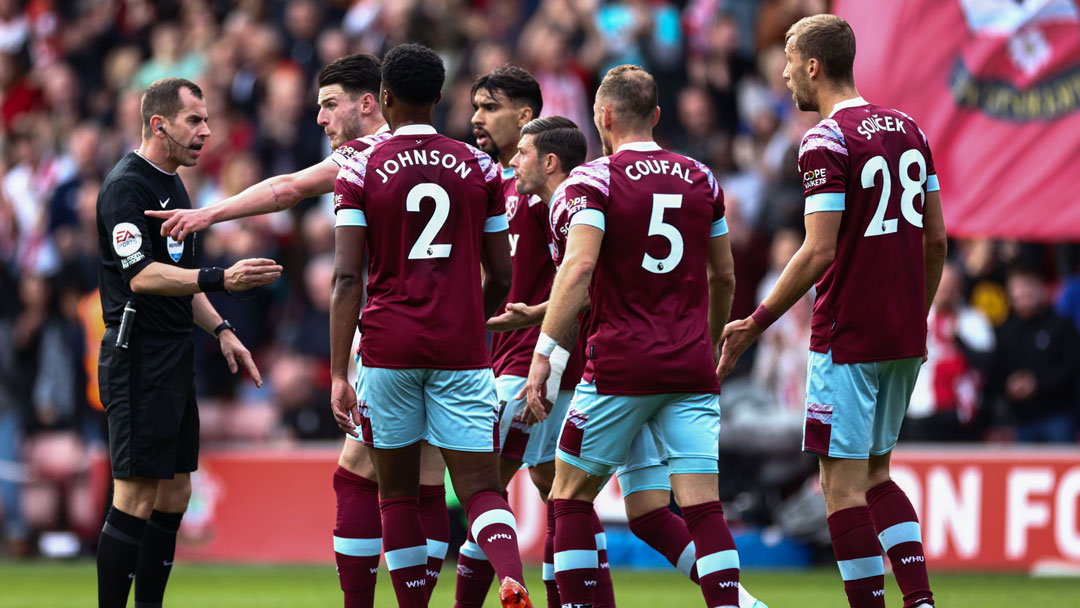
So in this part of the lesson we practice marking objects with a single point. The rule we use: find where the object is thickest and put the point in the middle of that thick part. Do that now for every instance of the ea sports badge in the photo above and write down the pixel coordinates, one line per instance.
(176, 249)
(126, 239)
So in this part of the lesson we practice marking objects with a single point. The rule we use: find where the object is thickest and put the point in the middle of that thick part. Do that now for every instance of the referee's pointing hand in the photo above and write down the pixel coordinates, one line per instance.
(252, 272)
(236, 354)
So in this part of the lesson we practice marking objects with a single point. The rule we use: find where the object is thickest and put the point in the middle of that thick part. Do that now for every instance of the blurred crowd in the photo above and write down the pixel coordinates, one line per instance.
(1003, 346)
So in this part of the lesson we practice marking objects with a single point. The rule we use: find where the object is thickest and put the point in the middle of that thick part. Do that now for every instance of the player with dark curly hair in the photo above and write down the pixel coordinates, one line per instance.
(428, 213)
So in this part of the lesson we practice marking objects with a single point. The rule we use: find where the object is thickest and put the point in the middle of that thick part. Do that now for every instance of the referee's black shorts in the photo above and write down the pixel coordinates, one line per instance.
(148, 392)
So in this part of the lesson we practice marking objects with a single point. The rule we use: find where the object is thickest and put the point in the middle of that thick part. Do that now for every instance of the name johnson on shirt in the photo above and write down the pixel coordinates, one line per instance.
(432, 158)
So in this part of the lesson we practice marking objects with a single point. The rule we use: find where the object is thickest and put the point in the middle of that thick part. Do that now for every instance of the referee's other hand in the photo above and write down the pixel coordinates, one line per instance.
(237, 355)
(252, 272)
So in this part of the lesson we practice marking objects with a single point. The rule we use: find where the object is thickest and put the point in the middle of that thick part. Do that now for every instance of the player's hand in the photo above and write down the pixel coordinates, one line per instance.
(528, 417)
(252, 272)
(535, 391)
(517, 315)
(737, 337)
(237, 355)
(344, 406)
(181, 222)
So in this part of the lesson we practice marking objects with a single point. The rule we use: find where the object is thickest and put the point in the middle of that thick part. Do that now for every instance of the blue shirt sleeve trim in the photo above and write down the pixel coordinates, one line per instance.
(825, 201)
(350, 217)
(932, 184)
(719, 228)
(496, 223)
(589, 217)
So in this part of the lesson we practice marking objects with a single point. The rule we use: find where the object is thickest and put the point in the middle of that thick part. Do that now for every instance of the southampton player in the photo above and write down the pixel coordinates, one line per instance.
(875, 246)
(349, 114)
(427, 211)
(648, 238)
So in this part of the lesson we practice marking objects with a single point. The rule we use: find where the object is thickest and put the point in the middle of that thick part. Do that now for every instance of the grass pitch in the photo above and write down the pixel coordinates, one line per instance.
(73, 584)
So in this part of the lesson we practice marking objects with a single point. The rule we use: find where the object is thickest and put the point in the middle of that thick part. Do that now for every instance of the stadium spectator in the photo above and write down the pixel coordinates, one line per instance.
(1034, 367)
(959, 347)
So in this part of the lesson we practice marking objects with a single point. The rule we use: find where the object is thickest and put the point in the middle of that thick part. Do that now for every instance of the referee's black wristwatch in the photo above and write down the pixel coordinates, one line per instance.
(222, 327)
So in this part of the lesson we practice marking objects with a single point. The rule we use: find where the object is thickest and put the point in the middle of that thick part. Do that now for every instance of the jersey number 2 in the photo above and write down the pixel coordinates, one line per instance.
(423, 249)
(912, 188)
(657, 226)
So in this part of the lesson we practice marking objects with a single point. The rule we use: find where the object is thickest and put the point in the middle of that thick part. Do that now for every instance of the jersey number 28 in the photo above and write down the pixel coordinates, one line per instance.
(912, 188)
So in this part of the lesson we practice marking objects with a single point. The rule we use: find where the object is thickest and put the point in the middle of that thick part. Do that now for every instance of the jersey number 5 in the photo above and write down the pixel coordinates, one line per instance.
(657, 226)
(423, 249)
(912, 188)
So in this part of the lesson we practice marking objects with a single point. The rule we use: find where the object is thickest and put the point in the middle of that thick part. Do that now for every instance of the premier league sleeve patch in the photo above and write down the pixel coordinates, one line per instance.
(176, 249)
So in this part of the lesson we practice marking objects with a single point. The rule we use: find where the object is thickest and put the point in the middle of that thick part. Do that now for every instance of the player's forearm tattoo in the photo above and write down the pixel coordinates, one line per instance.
(274, 190)
(571, 336)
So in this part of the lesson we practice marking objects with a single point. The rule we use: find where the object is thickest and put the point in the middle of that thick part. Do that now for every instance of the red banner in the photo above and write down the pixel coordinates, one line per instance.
(995, 85)
(980, 508)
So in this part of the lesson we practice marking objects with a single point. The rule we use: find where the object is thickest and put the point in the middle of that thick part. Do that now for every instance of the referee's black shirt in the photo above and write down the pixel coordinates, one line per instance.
(128, 241)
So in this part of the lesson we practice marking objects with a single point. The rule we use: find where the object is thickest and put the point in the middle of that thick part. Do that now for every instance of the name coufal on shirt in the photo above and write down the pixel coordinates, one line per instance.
(642, 168)
(434, 158)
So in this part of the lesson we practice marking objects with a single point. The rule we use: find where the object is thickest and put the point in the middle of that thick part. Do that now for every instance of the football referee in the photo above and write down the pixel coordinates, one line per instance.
(150, 295)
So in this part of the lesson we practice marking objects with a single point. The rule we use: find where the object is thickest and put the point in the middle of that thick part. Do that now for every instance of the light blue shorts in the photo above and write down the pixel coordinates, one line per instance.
(534, 444)
(599, 430)
(855, 409)
(645, 468)
(456, 409)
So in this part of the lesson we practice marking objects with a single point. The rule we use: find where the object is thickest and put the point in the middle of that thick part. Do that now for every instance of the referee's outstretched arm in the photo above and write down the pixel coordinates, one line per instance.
(166, 280)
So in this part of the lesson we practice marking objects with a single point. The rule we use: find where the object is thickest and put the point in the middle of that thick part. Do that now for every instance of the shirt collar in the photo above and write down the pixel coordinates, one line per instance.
(152, 164)
(385, 128)
(415, 129)
(639, 146)
(848, 103)
(507, 172)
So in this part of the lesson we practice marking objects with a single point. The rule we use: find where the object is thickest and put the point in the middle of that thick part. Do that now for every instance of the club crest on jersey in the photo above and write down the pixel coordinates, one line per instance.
(1022, 62)
(176, 249)
(511, 206)
(126, 239)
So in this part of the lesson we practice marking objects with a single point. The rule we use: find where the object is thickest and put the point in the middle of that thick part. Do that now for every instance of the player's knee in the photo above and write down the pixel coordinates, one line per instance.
(878, 477)
(173, 497)
(541, 479)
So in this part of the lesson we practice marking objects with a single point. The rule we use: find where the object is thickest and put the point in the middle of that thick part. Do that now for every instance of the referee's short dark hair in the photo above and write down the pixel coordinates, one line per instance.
(357, 74)
(162, 98)
(559, 136)
(414, 73)
(519, 86)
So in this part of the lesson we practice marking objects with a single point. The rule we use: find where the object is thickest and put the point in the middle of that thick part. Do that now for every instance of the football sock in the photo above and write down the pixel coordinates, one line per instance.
(605, 594)
(357, 537)
(717, 559)
(898, 530)
(550, 586)
(436, 528)
(474, 576)
(118, 557)
(576, 561)
(666, 532)
(406, 549)
(858, 557)
(493, 526)
(156, 552)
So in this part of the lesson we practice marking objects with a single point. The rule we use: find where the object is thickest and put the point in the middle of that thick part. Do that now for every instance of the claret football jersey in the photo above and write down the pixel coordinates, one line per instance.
(426, 201)
(647, 331)
(874, 165)
(534, 271)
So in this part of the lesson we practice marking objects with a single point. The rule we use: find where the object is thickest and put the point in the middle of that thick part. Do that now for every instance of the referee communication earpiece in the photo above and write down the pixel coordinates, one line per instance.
(161, 128)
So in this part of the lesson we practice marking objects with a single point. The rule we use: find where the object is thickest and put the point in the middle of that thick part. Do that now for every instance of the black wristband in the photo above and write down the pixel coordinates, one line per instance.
(224, 325)
(211, 279)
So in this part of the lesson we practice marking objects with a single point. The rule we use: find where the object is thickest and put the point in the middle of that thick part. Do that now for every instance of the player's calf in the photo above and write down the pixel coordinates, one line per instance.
(898, 531)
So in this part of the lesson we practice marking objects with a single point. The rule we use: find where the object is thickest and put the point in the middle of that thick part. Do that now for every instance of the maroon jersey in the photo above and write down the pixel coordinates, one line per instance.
(648, 327)
(511, 351)
(355, 146)
(427, 201)
(874, 165)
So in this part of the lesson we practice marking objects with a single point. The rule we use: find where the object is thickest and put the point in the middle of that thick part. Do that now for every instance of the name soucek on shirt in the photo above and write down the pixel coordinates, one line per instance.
(874, 165)
(427, 201)
(647, 330)
(128, 241)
